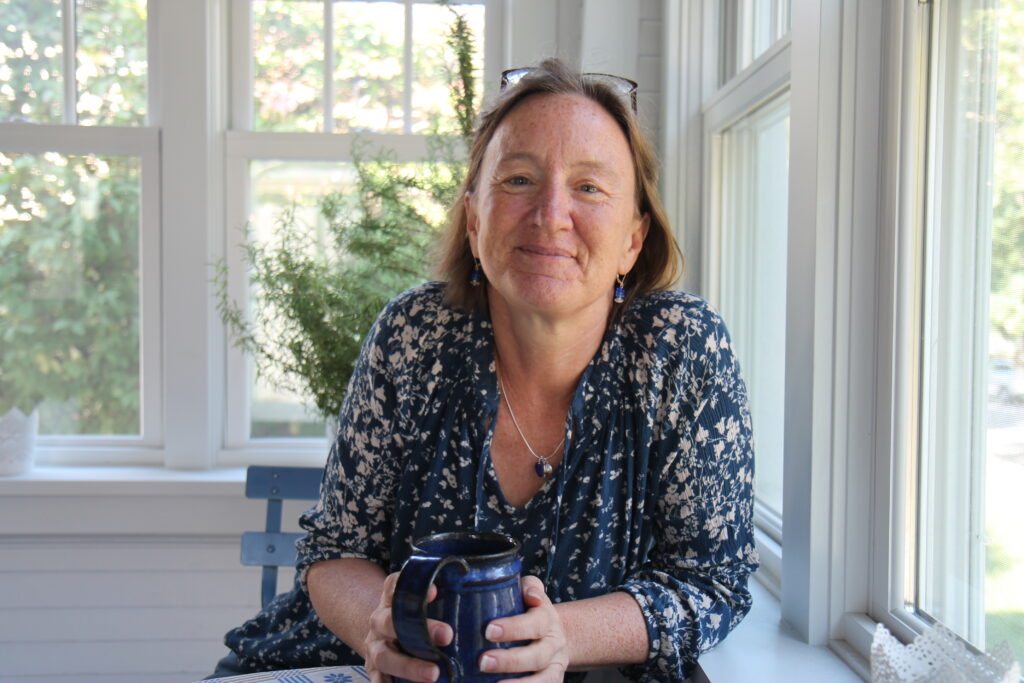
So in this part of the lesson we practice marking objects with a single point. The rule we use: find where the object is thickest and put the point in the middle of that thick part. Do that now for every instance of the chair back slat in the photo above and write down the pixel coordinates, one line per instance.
(286, 483)
(272, 548)
(260, 548)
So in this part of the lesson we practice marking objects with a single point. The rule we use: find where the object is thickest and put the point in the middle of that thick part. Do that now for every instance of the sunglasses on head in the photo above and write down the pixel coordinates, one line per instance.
(623, 86)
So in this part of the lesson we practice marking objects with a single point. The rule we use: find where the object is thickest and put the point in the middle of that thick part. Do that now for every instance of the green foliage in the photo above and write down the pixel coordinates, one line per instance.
(314, 298)
(69, 225)
(69, 291)
(1007, 303)
(110, 58)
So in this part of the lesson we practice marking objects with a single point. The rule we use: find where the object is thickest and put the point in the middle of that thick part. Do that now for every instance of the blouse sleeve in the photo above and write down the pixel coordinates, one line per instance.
(353, 517)
(693, 588)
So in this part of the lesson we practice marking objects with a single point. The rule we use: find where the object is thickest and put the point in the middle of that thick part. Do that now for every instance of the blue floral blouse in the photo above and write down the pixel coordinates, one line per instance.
(654, 494)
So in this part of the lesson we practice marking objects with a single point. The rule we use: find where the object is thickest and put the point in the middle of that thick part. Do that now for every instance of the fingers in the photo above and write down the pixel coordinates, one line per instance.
(387, 594)
(382, 652)
(538, 656)
(534, 593)
(531, 624)
(383, 655)
(546, 653)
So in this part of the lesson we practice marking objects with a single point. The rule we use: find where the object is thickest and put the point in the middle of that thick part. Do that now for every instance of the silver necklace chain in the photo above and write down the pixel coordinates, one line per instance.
(543, 467)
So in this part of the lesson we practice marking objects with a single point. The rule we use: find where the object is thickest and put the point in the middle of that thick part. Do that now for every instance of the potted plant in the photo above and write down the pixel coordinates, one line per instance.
(320, 302)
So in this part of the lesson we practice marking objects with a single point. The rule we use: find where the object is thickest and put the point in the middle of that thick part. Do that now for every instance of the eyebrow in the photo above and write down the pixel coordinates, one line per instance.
(587, 164)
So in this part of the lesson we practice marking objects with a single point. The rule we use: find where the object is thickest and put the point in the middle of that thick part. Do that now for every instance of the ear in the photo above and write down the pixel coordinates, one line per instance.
(634, 243)
(472, 222)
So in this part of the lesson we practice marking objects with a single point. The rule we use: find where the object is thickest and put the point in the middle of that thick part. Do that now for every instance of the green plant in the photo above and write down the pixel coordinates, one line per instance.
(314, 298)
(69, 223)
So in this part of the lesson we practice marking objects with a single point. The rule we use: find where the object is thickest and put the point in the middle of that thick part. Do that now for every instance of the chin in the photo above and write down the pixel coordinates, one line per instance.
(550, 295)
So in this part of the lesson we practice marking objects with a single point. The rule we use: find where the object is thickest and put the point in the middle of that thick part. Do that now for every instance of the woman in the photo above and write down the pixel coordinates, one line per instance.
(549, 389)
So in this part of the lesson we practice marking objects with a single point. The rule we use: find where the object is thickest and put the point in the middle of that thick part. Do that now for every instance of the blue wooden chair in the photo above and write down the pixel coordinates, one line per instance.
(272, 548)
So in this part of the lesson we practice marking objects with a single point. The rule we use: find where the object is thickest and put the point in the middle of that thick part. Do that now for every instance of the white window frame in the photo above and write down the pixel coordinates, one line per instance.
(243, 146)
(699, 98)
(143, 143)
(856, 204)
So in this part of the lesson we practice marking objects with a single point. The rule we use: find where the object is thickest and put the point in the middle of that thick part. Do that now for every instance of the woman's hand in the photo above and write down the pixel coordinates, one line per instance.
(383, 658)
(548, 653)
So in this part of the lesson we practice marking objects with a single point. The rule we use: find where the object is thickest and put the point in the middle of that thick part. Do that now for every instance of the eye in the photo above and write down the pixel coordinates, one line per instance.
(589, 188)
(518, 181)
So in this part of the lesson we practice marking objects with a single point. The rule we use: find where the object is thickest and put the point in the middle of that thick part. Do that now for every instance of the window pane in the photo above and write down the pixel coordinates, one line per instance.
(1004, 482)
(339, 273)
(288, 65)
(69, 290)
(753, 217)
(111, 62)
(278, 186)
(434, 63)
(970, 551)
(369, 66)
(747, 28)
(31, 67)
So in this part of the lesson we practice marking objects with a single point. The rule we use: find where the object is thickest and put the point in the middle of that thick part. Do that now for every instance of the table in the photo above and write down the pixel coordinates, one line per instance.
(325, 674)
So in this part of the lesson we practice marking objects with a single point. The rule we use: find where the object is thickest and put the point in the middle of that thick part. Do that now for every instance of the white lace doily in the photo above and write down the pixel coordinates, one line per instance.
(938, 656)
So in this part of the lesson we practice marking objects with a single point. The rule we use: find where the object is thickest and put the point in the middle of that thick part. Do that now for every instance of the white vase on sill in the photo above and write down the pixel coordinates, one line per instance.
(17, 441)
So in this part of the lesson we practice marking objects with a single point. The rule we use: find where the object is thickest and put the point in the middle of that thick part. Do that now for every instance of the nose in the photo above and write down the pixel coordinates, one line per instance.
(554, 206)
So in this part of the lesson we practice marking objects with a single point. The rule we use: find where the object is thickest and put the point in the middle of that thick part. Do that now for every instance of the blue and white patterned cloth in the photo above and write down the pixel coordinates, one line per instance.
(339, 674)
(654, 495)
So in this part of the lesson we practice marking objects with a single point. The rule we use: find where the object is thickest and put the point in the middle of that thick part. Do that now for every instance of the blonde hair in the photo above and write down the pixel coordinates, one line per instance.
(660, 261)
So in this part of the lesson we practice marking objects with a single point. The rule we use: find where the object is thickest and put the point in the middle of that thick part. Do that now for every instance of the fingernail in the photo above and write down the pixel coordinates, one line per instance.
(487, 663)
(431, 673)
(533, 593)
(493, 632)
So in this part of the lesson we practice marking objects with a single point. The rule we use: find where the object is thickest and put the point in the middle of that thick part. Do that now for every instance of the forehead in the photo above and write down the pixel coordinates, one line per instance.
(569, 126)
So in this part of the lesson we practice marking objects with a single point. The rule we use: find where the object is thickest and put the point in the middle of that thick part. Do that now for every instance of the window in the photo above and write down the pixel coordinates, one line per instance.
(355, 79)
(967, 560)
(751, 236)
(746, 30)
(79, 232)
(745, 228)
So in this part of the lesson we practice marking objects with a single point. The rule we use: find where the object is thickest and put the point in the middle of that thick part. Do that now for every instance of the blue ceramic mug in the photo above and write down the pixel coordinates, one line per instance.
(477, 578)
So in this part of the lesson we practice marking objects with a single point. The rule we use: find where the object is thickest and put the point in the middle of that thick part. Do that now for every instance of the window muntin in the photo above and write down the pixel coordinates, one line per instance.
(353, 66)
(389, 93)
(969, 557)
(103, 42)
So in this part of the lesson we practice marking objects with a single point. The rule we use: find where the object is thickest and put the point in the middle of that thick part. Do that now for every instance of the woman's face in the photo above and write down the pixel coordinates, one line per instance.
(553, 217)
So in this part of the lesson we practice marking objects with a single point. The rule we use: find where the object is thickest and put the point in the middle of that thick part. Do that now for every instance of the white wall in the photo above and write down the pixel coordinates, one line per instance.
(125, 577)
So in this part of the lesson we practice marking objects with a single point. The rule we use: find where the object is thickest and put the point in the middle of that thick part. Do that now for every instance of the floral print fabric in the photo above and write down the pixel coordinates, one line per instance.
(654, 495)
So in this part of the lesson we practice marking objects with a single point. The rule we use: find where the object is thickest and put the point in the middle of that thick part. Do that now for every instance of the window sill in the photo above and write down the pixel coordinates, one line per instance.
(762, 648)
(44, 480)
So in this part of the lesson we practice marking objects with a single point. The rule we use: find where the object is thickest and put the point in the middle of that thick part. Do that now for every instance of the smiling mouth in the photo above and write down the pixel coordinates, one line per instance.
(544, 252)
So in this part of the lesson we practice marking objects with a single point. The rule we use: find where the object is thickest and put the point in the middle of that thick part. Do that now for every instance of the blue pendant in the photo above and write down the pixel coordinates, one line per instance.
(543, 469)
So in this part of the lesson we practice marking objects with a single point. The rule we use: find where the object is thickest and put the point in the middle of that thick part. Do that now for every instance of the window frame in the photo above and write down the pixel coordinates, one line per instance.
(853, 292)
(138, 141)
(243, 146)
(764, 79)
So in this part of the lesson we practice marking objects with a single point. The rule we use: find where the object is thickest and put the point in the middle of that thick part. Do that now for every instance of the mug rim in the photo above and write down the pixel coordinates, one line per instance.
(512, 550)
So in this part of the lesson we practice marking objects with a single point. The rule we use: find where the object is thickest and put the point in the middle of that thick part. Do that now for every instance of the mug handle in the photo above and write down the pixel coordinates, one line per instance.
(409, 610)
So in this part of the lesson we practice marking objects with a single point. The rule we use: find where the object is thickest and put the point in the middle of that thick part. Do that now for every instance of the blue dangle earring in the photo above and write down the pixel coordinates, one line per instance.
(477, 275)
(620, 291)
